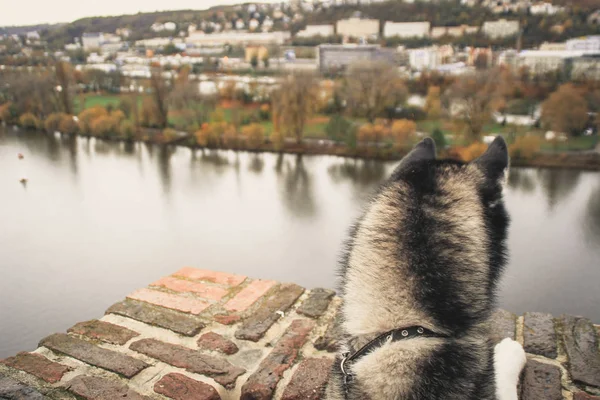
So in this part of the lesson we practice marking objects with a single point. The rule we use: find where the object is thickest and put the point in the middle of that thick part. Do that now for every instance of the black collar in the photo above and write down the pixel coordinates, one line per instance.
(390, 336)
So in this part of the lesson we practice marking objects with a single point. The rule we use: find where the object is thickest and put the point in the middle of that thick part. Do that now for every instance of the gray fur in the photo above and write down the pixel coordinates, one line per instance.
(428, 251)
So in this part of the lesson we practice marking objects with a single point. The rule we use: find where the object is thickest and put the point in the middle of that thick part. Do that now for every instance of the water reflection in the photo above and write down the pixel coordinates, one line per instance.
(364, 173)
(557, 184)
(256, 163)
(164, 167)
(522, 179)
(591, 219)
(296, 189)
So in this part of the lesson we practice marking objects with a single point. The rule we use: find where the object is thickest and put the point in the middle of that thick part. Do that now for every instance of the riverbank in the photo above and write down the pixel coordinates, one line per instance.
(580, 160)
(213, 335)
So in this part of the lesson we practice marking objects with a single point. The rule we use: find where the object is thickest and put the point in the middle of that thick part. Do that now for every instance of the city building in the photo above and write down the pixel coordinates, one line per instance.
(316, 30)
(340, 56)
(92, 40)
(541, 61)
(237, 38)
(586, 67)
(406, 29)
(358, 27)
(553, 46)
(545, 9)
(426, 58)
(501, 28)
(587, 43)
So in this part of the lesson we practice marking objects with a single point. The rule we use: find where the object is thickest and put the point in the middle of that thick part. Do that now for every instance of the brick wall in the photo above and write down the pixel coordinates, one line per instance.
(209, 335)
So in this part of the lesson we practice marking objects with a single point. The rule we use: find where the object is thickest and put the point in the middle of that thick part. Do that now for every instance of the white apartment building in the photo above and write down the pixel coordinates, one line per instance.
(358, 27)
(317, 30)
(588, 43)
(406, 29)
(237, 38)
(426, 58)
(501, 28)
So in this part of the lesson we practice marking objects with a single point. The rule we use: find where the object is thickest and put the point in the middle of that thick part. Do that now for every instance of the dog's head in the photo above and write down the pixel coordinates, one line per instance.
(436, 234)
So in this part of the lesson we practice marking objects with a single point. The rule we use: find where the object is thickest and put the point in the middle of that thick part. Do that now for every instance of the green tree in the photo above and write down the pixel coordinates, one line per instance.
(438, 137)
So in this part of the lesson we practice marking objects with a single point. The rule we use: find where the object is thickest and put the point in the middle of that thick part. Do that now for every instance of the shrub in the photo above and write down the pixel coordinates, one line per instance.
(230, 137)
(337, 128)
(87, 116)
(68, 125)
(127, 129)
(265, 112)
(206, 136)
(29, 121)
(102, 126)
(52, 122)
(525, 147)
(403, 131)
(8, 112)
(471, 152)
(169, 134)
(438, 137)
(372, 133)
(254, 135)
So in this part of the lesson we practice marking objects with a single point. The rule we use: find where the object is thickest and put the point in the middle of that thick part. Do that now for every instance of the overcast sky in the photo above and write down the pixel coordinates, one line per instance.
(29, 12)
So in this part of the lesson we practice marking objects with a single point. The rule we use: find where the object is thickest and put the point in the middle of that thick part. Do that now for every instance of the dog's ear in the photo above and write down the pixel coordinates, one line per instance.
(494, 162)
(423, 151)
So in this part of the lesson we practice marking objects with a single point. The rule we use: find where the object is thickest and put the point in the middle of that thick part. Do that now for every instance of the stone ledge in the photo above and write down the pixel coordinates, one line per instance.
(211, 335)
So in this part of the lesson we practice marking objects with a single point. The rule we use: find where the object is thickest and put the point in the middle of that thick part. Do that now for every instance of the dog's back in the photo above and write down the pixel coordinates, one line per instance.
(422, 266)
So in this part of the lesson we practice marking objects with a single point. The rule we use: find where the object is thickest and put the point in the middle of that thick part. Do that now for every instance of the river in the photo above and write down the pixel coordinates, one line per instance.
(97, 220)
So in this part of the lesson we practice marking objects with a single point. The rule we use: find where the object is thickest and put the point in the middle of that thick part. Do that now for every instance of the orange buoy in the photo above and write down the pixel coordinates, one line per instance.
(21, 156)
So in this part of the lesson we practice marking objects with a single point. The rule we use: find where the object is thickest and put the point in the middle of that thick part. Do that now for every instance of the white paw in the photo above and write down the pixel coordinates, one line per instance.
(510, 356)
(509, 360)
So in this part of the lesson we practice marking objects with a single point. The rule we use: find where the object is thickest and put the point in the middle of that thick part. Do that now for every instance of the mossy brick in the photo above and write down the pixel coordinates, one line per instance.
(37, 365)
(104, 331)
(94, 355)
(184, 324)
(191, 360)
(180, 387)
(279, 301)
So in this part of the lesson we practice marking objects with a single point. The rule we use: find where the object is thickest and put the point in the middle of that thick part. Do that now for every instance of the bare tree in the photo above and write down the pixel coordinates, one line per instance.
(294, 101)
(160, 95)
(371, 87)
(473, 99)
(187, 98)
(64, 78)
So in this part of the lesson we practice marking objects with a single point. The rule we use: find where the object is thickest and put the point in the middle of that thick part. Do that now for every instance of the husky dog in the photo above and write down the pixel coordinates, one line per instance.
(419, 277)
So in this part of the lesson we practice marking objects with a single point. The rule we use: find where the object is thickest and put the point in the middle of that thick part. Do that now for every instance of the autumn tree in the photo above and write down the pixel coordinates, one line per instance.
(566, 110)
(473, 99)
(187, 99)
(433, 102)
(64, 80)
(294, 101)
(371, 87)
(160, 96)
(403, 132)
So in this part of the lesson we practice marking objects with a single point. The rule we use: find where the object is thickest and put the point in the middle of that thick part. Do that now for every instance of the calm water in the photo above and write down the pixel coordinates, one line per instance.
(97, 220)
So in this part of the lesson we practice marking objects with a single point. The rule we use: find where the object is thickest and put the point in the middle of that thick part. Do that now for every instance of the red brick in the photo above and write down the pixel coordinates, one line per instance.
(248, 295)
(262, 383)
(221, 370)
(96, 388)
(221, 278)
(309, 380)
(37, 365)
(198, 288)
(104, 331)
(180, 387)
(214, 341)
(168, 300)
